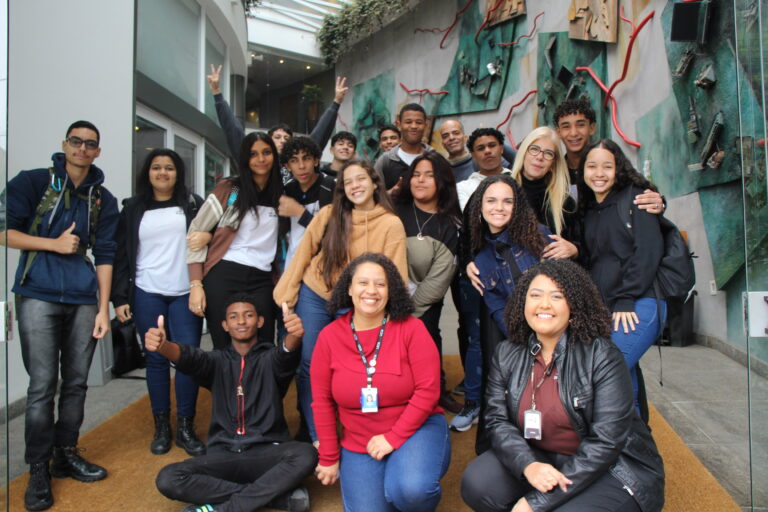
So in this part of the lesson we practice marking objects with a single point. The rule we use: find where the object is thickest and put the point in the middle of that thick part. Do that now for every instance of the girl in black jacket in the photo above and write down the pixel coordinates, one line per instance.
(151, 279)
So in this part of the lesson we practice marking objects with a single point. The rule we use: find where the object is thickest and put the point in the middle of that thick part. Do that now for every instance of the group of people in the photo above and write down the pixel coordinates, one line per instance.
(337, 276)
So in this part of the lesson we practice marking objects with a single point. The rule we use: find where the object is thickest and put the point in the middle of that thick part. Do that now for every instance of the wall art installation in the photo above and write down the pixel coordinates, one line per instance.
(593, 20)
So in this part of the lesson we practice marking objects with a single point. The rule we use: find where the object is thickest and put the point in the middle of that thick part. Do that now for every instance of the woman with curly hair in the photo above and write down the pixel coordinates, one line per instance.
(622, 259)
(505, 239)
(360, 219)
(429, 208)
(378, 371)
(559, 411)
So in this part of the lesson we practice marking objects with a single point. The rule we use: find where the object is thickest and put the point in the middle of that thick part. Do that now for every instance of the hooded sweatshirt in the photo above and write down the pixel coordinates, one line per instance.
(376, 230)
(54, 277)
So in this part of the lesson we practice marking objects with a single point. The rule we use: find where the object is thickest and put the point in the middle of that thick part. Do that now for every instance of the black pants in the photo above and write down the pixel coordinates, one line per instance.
(224, 280)
(490, 337)
(431, 319)
(239, 482)
(487, 486)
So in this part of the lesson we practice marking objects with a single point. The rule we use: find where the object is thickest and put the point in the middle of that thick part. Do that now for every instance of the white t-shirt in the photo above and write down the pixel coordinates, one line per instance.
(255, 242)
(161, 265)
(297, 231)
(408, 158)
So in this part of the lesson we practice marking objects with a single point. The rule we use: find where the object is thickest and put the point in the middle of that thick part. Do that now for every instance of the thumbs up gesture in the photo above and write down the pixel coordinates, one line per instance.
(294, 327)
(155, 336)
(66, 243)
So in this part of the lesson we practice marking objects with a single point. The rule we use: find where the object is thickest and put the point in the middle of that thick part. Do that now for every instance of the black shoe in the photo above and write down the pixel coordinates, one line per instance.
(38, 495)
(296, 500)
(161, 443)
(448, 403)
(186, 437)
(67, 462)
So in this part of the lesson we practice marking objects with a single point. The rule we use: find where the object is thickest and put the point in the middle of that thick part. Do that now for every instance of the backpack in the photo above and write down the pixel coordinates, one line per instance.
(676, 276)
(52, 196)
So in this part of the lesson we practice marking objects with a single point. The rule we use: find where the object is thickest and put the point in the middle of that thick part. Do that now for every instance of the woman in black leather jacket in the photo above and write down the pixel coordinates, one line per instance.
(590, 450)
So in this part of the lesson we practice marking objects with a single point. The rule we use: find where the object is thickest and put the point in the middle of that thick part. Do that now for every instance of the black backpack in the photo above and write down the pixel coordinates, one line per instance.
(675, 277)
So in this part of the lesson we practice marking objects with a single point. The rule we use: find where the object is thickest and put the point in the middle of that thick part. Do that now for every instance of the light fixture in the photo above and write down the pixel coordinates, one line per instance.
(309, 67)
(282, 61)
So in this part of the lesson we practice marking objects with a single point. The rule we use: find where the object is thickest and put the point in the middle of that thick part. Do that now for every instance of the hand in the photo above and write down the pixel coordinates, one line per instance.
(341, 89)
(155, 336)
(197, 300)
(101, 324)
(378, 447)
(627, 319)
(289, 207)
(327, 474)
(295, 328)
(214, 80)
(123, 312)
(560, 248)
(66, 243)
(396, 187)
(472, 273)
(650, 201)
(197, 240)
(522, 506)
(544, 477)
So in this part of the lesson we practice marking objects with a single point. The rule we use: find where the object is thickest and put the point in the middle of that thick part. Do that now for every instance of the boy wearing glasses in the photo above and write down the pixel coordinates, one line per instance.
(54, 215)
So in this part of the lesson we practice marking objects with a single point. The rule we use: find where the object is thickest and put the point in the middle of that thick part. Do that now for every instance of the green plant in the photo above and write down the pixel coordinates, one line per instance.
(311, 93)
(354, 21)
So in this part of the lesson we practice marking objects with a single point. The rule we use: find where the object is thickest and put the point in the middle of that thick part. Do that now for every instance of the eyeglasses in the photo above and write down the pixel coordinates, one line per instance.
(534, 150)
(76, 142)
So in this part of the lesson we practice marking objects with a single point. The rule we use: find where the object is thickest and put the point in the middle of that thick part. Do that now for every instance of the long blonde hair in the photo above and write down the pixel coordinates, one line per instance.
(559, 181)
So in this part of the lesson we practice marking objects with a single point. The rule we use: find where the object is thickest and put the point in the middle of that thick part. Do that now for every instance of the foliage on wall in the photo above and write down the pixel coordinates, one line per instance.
(355, 20)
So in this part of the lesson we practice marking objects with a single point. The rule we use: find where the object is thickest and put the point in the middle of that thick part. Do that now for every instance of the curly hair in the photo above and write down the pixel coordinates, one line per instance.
(298, 144)
(590, 317)
(241, 297)
(399, 304)
(483, 132)
(572, 107)
(445, 182)
(348, 136)
(626, 175)
(334, 246)
(523, 227)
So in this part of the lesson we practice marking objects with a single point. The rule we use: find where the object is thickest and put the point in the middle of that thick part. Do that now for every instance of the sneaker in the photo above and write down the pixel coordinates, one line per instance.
(38, 495)
(198, 508)
(67, 462)
(459, 389)
(295, 501)
(448, 403)
(469, 415)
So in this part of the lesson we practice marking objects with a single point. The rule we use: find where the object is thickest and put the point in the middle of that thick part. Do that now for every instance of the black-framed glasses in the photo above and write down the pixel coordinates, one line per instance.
(534, 150)
(76, 142)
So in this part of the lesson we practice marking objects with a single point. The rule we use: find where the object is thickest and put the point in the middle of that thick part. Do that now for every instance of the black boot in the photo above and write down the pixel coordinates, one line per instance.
(186, 437)
(38, 495)
(161, 443)
(67, 462)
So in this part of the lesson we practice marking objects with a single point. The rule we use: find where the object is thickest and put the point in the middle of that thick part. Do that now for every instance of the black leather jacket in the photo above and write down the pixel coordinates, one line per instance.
(596, 391)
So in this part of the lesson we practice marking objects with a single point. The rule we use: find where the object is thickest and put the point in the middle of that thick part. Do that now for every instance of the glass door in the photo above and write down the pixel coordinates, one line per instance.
(6, 321)
(751, 46)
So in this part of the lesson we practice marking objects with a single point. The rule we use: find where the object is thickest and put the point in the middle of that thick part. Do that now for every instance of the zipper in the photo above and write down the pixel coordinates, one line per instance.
(240, 397)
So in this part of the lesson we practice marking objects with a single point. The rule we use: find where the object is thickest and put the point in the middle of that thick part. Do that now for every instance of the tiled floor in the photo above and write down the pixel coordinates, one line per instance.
(704, 398)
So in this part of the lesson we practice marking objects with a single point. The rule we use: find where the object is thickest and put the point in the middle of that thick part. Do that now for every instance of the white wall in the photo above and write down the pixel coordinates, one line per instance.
(68, 60)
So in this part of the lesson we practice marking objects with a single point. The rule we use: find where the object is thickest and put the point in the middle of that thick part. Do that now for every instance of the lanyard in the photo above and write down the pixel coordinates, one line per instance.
(541, 381)
(370, 366)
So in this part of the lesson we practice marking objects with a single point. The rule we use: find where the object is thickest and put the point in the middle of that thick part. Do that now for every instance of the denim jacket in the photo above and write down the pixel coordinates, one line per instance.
(498, 280)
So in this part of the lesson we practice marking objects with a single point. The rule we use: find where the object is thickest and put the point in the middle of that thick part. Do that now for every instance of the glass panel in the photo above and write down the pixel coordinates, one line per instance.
(4, 458)
(186, 151)
(215, 166)
(751, 32)
(149, 136)
(174, 26)
(215, 51)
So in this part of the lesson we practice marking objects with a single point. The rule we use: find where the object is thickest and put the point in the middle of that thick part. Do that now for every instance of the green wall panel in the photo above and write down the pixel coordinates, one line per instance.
(372, 107)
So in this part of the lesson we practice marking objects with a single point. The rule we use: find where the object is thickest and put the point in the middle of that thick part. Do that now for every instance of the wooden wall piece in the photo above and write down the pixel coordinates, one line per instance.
(506, 11)
(594, 20)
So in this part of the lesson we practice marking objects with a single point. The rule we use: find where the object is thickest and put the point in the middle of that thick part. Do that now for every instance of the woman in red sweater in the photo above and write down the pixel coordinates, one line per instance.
(377, 369)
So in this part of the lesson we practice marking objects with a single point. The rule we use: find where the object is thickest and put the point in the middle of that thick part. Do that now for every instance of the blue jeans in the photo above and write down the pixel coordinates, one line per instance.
(469, 307)
(182, 327)
(407, 480)
(635, 343)
(54, 335)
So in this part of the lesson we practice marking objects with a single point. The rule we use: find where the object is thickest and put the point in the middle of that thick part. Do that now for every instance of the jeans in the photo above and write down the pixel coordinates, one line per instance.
(407, 480)
(54, 335)
(635, 343)
(182, 327)
(469, 309)
(239, 482)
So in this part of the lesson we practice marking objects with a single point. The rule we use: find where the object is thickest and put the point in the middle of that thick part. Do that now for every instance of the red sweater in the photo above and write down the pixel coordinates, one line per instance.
(407, 377)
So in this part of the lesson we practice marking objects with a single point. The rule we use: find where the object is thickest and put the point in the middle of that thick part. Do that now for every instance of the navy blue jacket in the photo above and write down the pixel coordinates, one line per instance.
(497, 278)
(54, 277)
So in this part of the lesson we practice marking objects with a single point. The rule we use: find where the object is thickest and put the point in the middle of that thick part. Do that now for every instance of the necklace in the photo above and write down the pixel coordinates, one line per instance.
(420, 226)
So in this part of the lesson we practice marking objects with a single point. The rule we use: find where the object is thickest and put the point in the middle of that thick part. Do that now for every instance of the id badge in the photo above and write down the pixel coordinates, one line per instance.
(369, 400)
(532, 427)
